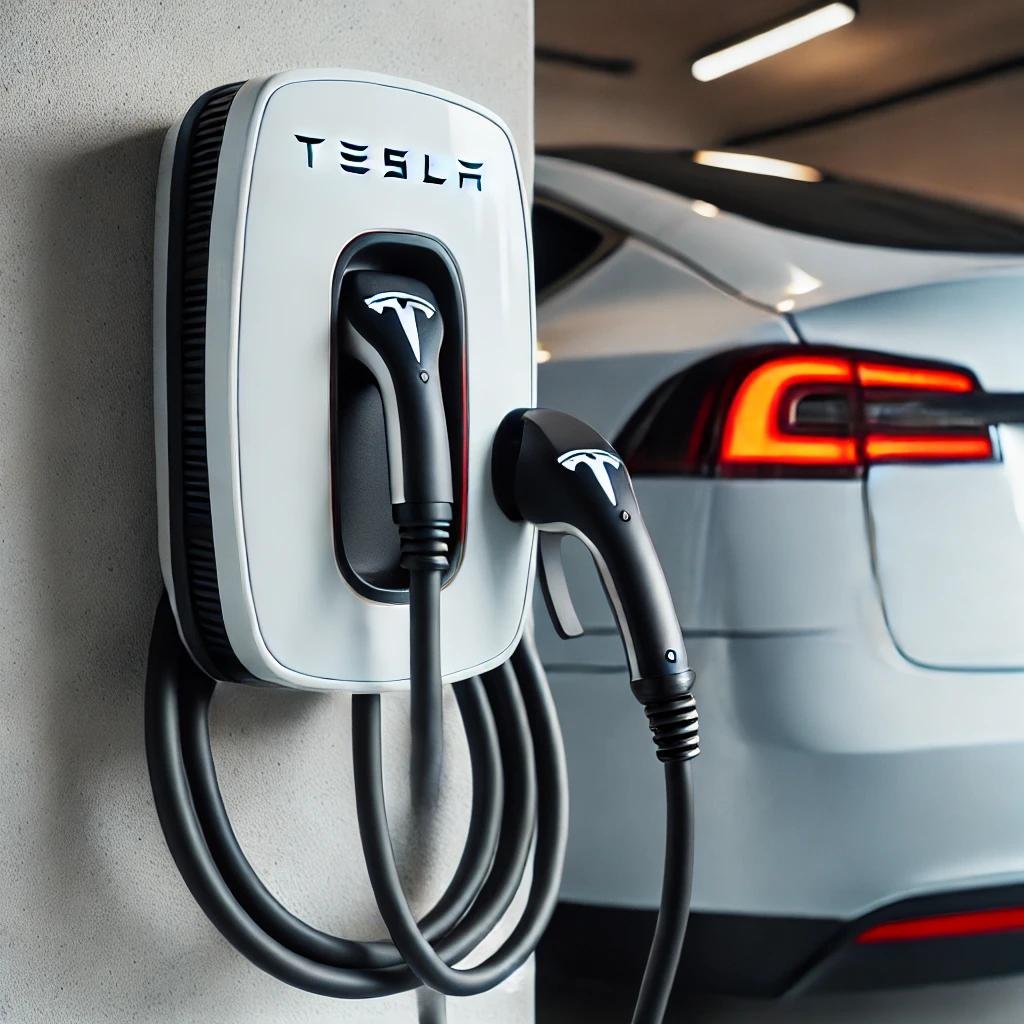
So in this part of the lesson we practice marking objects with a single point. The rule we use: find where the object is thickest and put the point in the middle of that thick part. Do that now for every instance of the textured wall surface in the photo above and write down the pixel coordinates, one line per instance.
(95, 924)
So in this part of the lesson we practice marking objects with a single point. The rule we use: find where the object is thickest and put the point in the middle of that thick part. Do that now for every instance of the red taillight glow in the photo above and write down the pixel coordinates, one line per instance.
(935, 447)
(879, 447)
(945, 926)
(882, 375)
(763, 431)
(754, 430)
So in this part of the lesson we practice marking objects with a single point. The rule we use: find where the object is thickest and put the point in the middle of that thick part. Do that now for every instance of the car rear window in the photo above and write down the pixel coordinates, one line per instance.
(565, 244)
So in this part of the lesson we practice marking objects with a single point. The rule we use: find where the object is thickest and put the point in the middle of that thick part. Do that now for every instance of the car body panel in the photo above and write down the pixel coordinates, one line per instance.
(862, 730)
(641, 299)
(835, 775)
(765, 265)
(948, 541)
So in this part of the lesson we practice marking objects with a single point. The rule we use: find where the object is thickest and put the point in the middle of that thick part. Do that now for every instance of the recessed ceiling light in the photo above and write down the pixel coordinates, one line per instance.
(751, 164)
(775, 40)
(543, 355)
(703, 209)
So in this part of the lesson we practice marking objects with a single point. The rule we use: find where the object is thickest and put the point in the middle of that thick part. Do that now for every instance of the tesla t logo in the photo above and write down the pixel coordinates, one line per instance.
(406, 307)
(598, 462)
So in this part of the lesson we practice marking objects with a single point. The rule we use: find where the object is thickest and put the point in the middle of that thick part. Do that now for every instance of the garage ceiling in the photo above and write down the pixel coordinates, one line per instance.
(923, 94)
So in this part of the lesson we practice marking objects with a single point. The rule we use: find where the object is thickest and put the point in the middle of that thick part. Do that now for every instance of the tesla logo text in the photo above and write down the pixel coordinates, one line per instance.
(406, 307)
(358, 158)
(598, 462)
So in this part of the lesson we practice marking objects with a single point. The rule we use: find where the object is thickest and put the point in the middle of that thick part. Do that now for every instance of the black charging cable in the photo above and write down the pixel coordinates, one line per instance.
(394, 326)
(672, 717)
(553, 470)
(520, 793)
(519, 804)
(423, 532)
(429, 964)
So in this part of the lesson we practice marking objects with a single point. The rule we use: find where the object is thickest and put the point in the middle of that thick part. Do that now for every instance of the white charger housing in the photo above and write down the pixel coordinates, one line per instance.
(262, 189)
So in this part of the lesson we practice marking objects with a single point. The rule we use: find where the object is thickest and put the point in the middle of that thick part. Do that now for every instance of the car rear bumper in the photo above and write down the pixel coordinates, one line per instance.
(810, 801)
(954, 936)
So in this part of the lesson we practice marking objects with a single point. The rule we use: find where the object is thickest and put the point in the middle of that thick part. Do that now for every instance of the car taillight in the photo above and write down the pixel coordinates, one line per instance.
(802, 411)
(882, 382)
(764, 426)
(945, 926)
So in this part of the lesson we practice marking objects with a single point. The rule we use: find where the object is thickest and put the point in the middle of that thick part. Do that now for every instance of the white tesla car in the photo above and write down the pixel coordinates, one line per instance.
(815, 385)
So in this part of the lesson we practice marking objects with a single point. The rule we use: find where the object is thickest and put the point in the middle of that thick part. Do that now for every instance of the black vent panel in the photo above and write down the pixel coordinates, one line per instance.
(194, 179)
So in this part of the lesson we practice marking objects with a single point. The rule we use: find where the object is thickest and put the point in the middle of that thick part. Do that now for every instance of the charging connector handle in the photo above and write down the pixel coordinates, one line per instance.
(394, 327)
(560, 474)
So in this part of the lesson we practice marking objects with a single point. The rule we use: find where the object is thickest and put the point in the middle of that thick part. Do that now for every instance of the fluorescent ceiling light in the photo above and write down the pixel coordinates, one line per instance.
(776, 40)
(751, 164)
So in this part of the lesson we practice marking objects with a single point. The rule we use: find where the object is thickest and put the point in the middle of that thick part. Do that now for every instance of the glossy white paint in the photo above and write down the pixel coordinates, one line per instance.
(640, 299)
(282, 215)
(824, 782)
(949, 552)
(948, 540)
(760, 262)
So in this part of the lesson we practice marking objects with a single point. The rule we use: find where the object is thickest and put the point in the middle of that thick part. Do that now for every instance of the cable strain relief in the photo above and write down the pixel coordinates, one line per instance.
(672, 719)
(424, 532)
(663, 687)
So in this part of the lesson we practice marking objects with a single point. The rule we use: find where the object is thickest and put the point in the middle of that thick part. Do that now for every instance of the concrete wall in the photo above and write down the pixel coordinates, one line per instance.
(95, 924)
